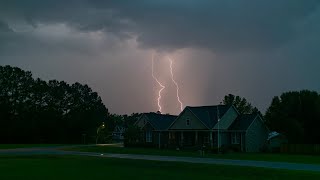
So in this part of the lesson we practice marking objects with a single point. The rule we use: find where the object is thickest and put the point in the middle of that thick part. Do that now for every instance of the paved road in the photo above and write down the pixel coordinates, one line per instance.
(264, 164)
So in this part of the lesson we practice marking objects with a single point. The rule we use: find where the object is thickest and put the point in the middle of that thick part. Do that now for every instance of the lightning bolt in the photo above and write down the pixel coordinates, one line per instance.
(172, 77)
(162, 86)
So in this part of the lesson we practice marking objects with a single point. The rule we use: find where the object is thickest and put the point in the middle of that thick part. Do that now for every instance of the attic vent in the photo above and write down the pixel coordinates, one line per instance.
(188, 122)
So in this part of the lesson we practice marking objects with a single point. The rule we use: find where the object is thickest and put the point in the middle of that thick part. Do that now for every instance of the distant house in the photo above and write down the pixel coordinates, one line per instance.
(118, 133)
(212, 126)
(275, 140)
(155, 128)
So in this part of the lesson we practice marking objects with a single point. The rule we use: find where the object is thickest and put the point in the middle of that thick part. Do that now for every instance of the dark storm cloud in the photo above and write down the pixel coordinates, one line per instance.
(252, 48)
(222, 25)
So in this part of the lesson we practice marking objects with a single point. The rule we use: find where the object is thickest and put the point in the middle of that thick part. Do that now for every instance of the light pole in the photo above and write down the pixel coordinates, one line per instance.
(218, 117)
(102, 126)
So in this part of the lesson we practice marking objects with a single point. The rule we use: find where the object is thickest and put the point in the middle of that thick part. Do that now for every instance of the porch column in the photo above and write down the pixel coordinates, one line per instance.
(241, 143)
(196, 138)
(181, 142)
(211, 140)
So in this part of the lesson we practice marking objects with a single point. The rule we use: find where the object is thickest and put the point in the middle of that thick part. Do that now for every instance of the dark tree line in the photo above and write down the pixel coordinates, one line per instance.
(297, 115)
(36, 111)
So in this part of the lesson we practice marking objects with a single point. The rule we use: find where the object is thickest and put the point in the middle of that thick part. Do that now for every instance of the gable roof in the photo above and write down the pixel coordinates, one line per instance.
(243, 122)
(160, 121)
(208, 115)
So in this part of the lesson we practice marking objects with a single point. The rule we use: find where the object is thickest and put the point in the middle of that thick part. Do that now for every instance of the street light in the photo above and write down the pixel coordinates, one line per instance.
(102, 126)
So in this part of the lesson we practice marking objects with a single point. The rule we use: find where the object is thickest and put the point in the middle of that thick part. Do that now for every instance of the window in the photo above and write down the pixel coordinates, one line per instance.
(188, 122)
(235, 138)
(149, 136)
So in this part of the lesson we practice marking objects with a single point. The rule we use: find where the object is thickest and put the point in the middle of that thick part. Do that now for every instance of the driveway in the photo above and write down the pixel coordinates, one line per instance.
(249, 163)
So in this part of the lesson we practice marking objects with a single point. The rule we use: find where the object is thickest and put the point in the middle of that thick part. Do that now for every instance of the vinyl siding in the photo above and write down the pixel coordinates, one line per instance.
(224, 138)
(227, 119)
(180, 122)
(256, 135)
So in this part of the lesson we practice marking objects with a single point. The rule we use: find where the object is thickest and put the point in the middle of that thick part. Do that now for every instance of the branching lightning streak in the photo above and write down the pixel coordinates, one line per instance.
(162, 86)
(172, 77)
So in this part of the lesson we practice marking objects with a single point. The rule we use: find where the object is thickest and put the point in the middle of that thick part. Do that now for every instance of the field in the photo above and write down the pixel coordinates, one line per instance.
(78, 167)
(307, 159)
(14, 146)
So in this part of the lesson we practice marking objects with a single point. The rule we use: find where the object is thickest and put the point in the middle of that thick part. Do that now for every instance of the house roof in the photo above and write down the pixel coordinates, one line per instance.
(208, 115)
(160, 121)
(242, 122)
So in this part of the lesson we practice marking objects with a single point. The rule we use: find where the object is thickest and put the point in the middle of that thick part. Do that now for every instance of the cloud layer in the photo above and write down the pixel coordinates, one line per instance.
(254, 48)
(221, 25)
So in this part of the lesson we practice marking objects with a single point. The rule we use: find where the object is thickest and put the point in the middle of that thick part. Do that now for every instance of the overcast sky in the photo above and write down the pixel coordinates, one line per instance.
(253, 48)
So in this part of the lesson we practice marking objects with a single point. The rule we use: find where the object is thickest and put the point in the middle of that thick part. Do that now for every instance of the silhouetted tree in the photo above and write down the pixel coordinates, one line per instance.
(241, 104)
(297, 115)
(33, 111)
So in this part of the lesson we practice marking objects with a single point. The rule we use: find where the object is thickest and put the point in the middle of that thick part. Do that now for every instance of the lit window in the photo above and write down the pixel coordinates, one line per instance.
(188, 122)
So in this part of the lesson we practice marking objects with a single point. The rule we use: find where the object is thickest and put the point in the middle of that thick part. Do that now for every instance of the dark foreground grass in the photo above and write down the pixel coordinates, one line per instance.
(91, 168)
(14, 146)
(307, 159)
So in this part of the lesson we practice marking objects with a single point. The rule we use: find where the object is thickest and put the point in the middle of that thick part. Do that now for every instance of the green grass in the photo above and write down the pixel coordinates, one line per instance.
(307, 159)
(79, 167)
(14, 146)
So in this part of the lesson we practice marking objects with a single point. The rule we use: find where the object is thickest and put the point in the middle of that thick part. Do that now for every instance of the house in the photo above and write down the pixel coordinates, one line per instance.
(275, 140)
(213, 126)
(249, 131)
(118, 133)
(155, 128)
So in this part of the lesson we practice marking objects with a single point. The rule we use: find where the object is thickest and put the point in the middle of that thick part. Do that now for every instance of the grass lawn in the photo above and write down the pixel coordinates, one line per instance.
(166, 152)
(14, 146)
(79, 167)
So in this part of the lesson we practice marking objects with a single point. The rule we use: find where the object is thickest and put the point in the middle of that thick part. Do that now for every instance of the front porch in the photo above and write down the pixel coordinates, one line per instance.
(199, 138)
(191, 138)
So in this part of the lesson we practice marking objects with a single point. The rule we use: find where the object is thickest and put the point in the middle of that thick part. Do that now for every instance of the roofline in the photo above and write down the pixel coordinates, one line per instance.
(264, 122)
(220, 117)
(144, 114)
(150, 124)
(253, 121)
(187, 107)
(135, 123)
(198, 118)
(176, 118)
(234, 107)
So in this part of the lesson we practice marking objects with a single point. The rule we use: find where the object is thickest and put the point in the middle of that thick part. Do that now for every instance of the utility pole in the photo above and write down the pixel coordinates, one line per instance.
(218, 117)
